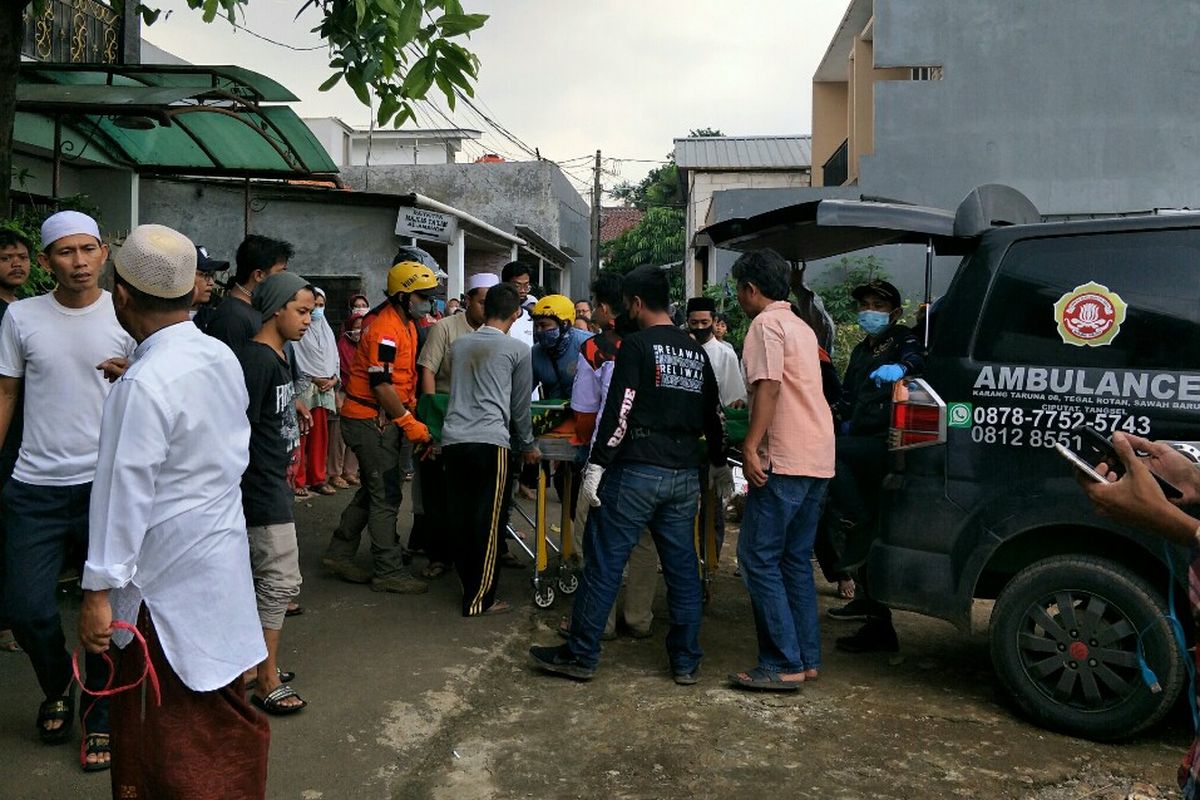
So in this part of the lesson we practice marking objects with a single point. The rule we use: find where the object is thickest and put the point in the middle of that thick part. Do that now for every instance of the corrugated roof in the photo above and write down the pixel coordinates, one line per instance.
(744, 152)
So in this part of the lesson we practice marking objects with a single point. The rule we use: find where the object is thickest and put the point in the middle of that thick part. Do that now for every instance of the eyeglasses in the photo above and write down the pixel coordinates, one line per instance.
(525, 284)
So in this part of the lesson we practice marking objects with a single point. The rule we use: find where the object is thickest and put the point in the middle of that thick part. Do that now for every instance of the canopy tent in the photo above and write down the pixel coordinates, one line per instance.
(169, 119)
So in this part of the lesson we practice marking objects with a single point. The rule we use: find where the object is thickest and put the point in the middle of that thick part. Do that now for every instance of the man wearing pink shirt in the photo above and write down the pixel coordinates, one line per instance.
(788, 460)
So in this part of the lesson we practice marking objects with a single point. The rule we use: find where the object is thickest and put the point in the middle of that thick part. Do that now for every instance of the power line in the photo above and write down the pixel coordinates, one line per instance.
(269, 40)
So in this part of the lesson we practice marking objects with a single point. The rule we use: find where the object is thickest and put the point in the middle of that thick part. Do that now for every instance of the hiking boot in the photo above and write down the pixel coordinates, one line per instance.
(560, 661)
(399, 584)
(854, 611)
(877, 636)
(346, 570)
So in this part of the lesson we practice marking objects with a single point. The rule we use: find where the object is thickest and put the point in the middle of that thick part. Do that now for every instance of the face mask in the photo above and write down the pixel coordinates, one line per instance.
(418, 308)
(353, 335)
(874, 322)
(547, 339)
(318, 313)
(701, 335)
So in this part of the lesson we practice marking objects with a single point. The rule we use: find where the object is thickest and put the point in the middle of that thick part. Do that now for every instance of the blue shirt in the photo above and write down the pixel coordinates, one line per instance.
(557, 374)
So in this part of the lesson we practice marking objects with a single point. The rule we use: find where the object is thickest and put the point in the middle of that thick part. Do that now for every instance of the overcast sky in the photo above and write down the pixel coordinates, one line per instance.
(566, 77)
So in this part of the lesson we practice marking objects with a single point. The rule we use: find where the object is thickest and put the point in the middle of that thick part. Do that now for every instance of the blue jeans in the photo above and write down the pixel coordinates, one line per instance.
(635, 497)
(775, 554)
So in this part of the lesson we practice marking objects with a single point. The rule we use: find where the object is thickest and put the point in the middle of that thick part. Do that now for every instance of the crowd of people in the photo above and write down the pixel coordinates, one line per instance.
(160, 439)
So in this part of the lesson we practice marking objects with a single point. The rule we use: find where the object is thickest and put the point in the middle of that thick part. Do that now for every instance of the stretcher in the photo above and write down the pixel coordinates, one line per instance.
(553, 448)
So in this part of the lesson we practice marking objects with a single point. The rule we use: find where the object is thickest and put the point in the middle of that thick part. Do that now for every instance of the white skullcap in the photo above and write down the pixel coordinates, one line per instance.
(482, 280)
(67, 223)
(158, 261)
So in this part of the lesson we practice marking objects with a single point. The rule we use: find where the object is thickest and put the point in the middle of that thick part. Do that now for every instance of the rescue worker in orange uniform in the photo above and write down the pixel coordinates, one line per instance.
(379, 406)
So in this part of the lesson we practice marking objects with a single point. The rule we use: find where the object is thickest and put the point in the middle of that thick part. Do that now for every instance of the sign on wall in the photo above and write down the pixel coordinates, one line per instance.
(424, 224)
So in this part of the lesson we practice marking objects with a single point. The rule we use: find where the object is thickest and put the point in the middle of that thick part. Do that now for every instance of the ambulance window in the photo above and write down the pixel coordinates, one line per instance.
(1037, 313)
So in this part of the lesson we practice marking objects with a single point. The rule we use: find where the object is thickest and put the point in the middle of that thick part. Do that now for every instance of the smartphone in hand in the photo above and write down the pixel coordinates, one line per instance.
(1079, 463)
(1098, 448)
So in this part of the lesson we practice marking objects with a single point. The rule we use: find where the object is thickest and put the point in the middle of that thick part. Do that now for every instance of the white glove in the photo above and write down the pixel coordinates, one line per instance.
(720, 480)
(592, 474)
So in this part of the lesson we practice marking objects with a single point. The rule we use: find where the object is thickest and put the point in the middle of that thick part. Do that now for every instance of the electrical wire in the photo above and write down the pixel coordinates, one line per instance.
(269, 40)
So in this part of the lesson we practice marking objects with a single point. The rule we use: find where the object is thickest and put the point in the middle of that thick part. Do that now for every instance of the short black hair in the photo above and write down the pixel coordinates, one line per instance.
(150, 303)
(260, 253)
(607, 289)
(767, 270)
(514, 269)
(501, 302)
(649, 284)
(11, 236)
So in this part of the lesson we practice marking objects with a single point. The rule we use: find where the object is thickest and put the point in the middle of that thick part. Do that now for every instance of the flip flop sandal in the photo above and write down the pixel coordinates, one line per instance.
(294, 611)
(498, 607)
(763, 680)
(273, 703)
(96, 744)
(59, 709)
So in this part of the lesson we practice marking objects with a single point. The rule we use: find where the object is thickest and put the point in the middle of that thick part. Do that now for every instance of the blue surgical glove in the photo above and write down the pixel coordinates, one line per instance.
(888, 373)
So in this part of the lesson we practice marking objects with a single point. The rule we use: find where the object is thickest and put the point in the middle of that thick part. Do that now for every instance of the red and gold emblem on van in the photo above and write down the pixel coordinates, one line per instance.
(1089, 315)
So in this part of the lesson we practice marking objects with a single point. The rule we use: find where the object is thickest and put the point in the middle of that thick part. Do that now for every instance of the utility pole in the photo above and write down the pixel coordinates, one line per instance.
(596, 217)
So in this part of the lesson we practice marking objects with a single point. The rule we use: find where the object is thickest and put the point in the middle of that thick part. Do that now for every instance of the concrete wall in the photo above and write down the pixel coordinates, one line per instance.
(113, 190)
(1083, 107)
(533, 193)
(829, 124)
(334, 234)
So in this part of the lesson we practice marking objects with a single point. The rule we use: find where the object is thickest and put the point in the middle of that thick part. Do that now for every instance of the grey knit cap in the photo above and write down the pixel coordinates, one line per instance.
(275, 292)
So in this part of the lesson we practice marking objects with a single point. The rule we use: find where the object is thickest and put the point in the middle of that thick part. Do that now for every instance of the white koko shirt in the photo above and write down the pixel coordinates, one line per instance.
(166, 525)
(724, 360)
(56, 350)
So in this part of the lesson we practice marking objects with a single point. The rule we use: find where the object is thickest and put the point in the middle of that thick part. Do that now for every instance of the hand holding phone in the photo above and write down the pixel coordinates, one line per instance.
(1098, 449)
(1084, 467)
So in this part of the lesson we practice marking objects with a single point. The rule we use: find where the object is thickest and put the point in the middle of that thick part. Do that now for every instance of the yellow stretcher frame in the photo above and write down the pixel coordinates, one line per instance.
(554, 448)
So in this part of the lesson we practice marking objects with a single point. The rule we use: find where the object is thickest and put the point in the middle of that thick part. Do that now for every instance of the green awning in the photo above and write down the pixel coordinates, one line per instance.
(178, 120)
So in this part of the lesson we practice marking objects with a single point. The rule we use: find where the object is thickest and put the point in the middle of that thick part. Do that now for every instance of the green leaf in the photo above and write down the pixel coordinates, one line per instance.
(457, 78)
(210, 10)
(149, 15)
(354, 79)
(447, 88)
(458, 24)
(418, 80)
(409, 23)
(388, 106)
(405, 114)
(330, 82)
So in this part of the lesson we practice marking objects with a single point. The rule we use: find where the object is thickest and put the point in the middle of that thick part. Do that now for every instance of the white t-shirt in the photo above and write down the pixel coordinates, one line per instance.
(56, 350)
(523, 328)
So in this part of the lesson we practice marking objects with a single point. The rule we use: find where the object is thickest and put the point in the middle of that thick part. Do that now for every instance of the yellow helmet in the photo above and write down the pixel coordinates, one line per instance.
(409, 276)
(555, 305)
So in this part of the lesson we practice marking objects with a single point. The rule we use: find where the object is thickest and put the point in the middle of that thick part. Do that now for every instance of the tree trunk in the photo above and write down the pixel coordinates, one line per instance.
(12, 33)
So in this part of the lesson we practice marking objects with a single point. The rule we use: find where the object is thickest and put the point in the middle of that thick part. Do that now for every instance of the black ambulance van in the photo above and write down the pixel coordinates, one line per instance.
(1045, 326)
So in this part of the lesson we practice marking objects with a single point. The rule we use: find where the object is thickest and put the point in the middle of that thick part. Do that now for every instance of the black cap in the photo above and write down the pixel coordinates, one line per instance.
(206, 264)
(881, 288)
(701, 304)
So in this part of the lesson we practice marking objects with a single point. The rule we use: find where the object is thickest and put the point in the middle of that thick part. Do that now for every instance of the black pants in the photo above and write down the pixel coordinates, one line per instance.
(46, 527)
(429, 531)
(476, 483)
(854, 496)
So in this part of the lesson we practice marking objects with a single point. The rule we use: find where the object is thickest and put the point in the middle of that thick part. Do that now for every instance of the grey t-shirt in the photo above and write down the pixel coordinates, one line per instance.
(491, 381)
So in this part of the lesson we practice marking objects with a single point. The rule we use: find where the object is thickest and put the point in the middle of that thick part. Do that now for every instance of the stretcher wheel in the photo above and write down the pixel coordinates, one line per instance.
(568, 582)
(543, 596)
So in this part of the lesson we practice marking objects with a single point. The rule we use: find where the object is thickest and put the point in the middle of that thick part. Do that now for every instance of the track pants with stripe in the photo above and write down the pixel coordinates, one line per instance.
(476, 479)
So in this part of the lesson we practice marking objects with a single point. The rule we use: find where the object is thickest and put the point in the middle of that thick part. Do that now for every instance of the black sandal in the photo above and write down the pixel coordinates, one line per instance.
(96, 744)
(60, 708)
(272, 703)
(284, 677)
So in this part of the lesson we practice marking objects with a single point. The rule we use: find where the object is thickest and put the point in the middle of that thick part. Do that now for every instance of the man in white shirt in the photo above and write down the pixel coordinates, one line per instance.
(53, 346)
(521, 277)
(701, 315)
(167, 545)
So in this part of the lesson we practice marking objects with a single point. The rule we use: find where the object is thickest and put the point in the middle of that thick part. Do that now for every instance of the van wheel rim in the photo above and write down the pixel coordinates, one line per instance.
(1080, 650)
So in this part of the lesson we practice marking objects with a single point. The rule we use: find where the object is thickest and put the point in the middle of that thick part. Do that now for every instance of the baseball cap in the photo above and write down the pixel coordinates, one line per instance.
(205, 263)
(880, 287)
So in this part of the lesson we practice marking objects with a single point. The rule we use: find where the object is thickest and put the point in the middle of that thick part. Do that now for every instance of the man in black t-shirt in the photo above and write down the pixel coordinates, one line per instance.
(285, 302)
(644, 473)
